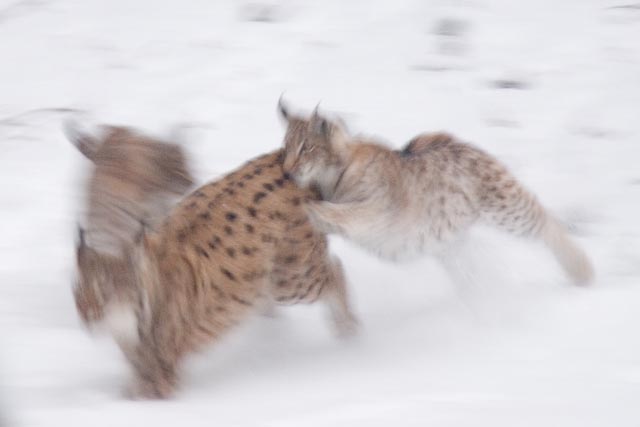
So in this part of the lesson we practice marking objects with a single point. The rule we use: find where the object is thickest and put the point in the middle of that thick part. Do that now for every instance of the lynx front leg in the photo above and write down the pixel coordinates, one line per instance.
(326, 217)
(269, 308)
(343, 218)
(337, 299)
(456, 265)
(155, 377)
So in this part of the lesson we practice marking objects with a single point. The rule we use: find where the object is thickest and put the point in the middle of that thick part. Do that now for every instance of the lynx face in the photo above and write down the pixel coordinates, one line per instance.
(313, 149)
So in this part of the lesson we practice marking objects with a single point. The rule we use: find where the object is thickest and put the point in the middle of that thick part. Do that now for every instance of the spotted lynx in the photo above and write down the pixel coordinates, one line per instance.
(227, 250)
(421, 199)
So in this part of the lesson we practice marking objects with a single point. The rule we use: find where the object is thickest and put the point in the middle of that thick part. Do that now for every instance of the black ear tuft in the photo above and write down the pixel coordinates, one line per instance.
(81, 246)
(324, 126)
(81, 241)
(319, 125)
(282, 108)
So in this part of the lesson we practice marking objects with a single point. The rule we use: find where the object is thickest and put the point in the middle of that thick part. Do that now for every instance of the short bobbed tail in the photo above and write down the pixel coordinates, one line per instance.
(572, 258)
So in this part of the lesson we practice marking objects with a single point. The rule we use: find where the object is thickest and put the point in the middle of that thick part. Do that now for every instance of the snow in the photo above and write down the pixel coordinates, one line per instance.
(551, 88)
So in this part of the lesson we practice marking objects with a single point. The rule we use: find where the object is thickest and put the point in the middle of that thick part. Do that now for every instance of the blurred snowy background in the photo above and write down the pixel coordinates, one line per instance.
(550, 87)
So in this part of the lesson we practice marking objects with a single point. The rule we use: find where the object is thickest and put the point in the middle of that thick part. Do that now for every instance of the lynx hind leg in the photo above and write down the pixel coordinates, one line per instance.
(456, 261)
(512, 208)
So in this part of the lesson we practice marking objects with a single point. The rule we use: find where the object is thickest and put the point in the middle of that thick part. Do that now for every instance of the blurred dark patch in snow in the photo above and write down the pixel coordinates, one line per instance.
(19, 8)
(323, 44)
(451, 36)
(20, 118)
(261, 12)
(631, 6)
(594, 132)
(451, 43)
(451, 27)
(509, 84)
(431, 67)
(623, 13)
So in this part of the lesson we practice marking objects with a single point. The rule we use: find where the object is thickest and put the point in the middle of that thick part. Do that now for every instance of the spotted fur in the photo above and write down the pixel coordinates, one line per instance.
(421, 199)
(227, 250)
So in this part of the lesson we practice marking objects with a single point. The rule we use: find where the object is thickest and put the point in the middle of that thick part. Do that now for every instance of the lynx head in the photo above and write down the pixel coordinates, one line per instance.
(134, 178)
(314, 149)
(149, 164)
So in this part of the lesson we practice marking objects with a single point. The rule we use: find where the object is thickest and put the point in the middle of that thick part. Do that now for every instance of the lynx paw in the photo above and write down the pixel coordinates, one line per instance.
(140, 389)
(346, 327)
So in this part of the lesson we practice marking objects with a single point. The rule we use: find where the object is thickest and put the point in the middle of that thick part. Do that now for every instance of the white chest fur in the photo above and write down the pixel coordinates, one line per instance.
(121, 322)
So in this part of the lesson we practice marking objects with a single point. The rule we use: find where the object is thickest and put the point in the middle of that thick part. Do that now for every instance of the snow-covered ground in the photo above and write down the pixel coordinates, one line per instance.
(550, 87)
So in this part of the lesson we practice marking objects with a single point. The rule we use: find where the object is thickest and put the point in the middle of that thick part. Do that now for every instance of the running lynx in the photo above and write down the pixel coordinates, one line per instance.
(227, 250)
(422, 199)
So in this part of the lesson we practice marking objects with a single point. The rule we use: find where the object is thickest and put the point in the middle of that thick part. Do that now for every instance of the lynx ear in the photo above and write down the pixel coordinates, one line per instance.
(85, 143)
(318, 125)
(329, 132)
(173, 165)
(283, 109)
(80, 242)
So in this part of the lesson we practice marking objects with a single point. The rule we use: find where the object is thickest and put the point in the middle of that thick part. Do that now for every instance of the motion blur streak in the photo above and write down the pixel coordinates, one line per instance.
(551, 88)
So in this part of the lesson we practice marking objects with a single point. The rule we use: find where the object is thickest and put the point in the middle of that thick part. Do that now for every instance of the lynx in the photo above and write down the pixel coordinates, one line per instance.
(135, 178)
(227, 250)
(421, 199)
